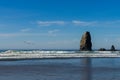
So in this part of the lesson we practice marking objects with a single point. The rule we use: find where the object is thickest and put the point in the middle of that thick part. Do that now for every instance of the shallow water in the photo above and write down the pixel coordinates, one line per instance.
(61, 69)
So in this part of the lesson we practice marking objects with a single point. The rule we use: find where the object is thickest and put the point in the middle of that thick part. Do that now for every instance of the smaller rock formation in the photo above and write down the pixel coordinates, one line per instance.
(85, 43)
(112, 48)
(102, 49)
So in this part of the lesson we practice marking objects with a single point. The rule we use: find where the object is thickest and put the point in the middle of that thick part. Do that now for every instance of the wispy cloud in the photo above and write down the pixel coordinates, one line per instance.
(8, 35)
(73, 22)
(25, 30)
(49, 23)
(80, 23)
(53, 31)
(114, 23)
(12, 34)
(83, 23)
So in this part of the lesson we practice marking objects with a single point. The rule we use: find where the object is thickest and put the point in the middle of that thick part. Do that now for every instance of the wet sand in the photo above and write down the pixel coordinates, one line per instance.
(38, 71)
(61, 69)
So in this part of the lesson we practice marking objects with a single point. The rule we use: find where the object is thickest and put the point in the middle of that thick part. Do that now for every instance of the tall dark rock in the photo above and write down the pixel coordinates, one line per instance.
(112, 48)
(85, 43)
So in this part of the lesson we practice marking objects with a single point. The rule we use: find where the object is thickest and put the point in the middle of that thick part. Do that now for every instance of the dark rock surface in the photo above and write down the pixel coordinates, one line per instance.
(112, 48)
(102, 49)
(85, 43)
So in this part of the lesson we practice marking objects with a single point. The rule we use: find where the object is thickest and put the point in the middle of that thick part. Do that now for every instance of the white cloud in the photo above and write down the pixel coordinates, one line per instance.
(12, 34)
(83, 23)
(8, 35)
(53, 31)
(73, 22)
(80, 23)
(49, 23)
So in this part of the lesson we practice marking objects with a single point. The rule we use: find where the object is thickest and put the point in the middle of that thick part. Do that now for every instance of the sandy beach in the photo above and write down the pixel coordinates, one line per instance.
(61, 69)
(39, 70)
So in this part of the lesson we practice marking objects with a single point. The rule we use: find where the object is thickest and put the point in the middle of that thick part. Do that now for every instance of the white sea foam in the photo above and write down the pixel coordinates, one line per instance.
(36, 52)
(58, 52)
(11, 54)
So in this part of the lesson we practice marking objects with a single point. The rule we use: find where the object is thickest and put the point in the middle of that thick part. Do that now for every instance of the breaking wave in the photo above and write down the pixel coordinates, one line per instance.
(55, 52)
(40, 54)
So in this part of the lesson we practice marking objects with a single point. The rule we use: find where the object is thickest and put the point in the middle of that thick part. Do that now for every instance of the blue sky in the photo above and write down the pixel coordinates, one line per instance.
(58, 24)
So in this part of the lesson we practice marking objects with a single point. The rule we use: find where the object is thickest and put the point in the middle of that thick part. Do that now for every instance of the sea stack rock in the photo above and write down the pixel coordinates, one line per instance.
(102, 49)
(85, 43)
(112, 48)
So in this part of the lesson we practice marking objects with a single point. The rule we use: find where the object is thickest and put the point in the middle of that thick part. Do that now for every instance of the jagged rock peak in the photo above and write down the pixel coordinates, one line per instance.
(85, 43)
(112, 48)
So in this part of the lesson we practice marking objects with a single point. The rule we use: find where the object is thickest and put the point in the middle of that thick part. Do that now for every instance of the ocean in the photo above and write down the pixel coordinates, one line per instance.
(61, 69)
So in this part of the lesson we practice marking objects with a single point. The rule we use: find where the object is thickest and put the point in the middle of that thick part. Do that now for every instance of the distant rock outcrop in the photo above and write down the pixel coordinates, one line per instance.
(85, 43)
(102, 49)
(112, 48)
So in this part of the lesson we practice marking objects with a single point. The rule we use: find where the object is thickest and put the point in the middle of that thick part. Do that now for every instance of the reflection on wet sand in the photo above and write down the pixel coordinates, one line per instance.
(87, 69)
